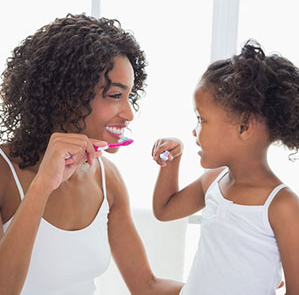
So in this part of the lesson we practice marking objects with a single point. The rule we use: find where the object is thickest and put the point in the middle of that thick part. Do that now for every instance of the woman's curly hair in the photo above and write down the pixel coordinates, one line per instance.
(50, 79)
(267, 87)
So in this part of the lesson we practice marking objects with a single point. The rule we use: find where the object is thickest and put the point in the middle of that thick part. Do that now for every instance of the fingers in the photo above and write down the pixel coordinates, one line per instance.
(91, 150)
(166, 150)
(75, 148)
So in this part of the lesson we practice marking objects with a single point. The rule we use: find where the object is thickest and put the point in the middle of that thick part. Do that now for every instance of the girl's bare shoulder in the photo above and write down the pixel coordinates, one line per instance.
(209, 176)
(285, 206)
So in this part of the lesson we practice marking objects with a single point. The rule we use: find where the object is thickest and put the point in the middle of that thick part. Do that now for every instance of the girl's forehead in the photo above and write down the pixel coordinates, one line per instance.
(203, 96)
(205, 103)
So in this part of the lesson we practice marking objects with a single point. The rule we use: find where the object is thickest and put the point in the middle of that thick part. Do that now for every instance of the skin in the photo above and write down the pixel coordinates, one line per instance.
(226, 141)
(68, 194)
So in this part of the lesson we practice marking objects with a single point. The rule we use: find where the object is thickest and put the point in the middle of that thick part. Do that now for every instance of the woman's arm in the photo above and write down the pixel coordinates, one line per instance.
(17, 243)
(126, 246)
(284, 219)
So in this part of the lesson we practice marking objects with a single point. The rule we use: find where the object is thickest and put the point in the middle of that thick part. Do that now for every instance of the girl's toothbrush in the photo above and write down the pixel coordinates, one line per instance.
(164, 156)
(124, 141)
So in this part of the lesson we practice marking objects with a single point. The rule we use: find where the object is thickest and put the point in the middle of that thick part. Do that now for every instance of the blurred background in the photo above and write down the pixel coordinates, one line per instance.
(180, 39)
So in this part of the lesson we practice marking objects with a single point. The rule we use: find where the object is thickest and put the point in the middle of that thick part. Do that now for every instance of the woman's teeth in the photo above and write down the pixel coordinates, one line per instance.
(115, 130)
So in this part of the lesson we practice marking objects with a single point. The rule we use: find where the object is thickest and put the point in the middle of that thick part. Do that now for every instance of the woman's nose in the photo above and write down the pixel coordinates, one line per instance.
(127, 111)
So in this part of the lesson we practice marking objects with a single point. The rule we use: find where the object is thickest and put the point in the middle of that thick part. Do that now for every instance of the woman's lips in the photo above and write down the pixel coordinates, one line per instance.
(115, 131)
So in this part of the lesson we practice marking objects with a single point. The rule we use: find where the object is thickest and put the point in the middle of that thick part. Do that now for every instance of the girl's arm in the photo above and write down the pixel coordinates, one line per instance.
(17, 243)
(126, 246)
(168, 201)
(284, 219)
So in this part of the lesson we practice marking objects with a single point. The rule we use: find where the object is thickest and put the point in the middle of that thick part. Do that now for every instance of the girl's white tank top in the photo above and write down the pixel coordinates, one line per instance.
(67, 262)
(237, 252)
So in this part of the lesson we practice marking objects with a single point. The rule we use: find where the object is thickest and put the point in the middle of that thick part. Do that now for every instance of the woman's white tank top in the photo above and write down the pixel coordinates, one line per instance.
(67, 262)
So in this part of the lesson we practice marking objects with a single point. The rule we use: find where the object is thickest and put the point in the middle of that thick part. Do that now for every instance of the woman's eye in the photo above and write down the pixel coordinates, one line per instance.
(116, 95)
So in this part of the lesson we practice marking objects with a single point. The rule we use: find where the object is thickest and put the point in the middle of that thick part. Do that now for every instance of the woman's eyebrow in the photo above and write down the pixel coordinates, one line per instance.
(117, 84)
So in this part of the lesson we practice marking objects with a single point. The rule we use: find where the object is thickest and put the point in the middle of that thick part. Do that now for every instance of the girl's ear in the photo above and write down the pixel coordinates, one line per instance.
(246, 127)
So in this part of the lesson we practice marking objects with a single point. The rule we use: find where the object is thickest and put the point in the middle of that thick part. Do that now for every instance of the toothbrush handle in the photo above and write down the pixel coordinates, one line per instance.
(101, 148)
(96, 148)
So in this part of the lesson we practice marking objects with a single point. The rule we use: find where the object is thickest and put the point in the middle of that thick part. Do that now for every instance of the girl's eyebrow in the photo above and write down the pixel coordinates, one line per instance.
(198, 111)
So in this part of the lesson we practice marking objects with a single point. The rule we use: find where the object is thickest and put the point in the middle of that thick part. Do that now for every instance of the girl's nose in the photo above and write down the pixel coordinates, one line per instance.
(194, 132)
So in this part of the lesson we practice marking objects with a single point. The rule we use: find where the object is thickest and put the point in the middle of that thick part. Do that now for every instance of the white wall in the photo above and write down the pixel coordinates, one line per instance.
(176, 37)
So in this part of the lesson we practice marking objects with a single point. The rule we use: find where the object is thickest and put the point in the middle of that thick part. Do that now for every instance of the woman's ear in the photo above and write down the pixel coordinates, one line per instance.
(246, 127)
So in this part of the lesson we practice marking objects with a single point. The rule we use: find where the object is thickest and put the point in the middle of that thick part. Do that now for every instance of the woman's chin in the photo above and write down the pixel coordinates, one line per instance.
(112, 151)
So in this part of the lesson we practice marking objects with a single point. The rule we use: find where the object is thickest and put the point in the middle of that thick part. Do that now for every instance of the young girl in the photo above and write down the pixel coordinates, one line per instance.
(250, 221)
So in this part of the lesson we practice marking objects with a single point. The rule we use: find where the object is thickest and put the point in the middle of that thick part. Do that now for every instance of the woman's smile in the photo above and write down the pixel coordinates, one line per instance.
(116, 131)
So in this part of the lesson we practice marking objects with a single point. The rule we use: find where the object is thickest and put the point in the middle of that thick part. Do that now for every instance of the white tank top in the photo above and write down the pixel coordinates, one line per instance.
(237, 252)
(67, 262)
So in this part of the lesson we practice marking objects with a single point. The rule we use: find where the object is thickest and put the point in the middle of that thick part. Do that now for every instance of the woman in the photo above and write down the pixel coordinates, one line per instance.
(66, 89)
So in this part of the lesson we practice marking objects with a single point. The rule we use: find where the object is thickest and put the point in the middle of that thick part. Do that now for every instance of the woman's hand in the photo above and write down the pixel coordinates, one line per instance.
(170, 148)
(64, 153)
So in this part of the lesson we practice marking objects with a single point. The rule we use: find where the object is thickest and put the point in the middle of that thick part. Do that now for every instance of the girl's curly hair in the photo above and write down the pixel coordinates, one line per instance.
(267, 87)
(50, 79)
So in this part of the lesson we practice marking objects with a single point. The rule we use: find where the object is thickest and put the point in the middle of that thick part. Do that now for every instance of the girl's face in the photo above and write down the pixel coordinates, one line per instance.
(215, 133)
(111, 113)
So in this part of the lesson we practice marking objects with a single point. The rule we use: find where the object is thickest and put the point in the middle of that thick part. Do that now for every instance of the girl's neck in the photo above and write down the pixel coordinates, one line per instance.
(253, 172)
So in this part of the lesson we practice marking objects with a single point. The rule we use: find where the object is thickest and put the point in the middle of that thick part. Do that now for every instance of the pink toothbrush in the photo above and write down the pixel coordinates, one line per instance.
(124, 141)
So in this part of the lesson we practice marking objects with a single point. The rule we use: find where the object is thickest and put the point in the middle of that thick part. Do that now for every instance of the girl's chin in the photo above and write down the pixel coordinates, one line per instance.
(204, 163)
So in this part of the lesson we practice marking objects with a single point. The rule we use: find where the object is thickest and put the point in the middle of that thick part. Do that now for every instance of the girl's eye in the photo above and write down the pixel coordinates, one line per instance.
(199, 119)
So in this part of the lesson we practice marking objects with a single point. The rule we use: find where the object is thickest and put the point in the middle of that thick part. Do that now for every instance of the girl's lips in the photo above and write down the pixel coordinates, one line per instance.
(200, 152)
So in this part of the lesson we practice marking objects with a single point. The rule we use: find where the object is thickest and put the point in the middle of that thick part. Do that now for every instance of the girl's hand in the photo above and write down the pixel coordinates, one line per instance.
(173, 145)
(55, 168)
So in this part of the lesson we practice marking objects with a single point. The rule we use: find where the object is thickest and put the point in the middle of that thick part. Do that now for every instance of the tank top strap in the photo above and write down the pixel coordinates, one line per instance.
(273, 194)
(266, 220)
(14, 173)
(221, 174)
(210, 193)
(103, 176)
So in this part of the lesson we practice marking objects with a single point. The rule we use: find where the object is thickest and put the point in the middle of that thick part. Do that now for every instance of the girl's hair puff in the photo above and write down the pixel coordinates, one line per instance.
(267, 87)
(49, 81)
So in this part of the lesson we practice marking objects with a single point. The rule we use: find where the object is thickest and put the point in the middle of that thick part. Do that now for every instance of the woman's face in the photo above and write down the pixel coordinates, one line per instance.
(111, 113)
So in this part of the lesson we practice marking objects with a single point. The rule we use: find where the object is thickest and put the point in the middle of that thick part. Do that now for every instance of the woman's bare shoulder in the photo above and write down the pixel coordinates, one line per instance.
(110, 167)
(5, 172)
(116, 188)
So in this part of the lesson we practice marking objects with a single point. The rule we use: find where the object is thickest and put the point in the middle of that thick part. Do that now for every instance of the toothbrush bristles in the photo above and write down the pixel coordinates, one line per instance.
(123, 139)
